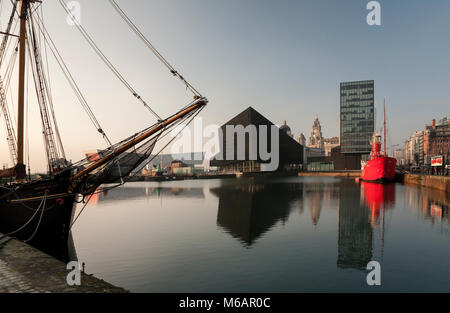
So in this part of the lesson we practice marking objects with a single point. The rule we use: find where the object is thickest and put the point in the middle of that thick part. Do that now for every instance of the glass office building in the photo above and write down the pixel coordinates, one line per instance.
(357, 116)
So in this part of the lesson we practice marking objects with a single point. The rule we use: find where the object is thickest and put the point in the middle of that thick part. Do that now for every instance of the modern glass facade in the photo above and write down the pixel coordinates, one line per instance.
(357, 116)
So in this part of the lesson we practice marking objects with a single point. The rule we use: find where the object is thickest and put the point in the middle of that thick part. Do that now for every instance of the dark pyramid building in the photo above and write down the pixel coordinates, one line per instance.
(290, 151)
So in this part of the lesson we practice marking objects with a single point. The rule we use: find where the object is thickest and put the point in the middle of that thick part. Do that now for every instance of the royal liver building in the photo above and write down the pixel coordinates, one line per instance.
(316, 139)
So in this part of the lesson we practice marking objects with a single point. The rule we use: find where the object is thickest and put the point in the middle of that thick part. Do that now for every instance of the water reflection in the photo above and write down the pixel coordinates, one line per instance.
(433, 205)
(317, 195)
(246, 211)
(378, 198)
(354, 228)
(146, 192)
(239, 230)
(250, 208)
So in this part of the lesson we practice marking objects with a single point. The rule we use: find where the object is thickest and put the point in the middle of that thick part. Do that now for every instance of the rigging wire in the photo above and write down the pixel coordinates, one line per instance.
(81, 211)
(103, 57)
(70, 79)
(14, 28)
(8, 30)
(48, 88)
(152, 48)
(53, 155)
(194, 115)
(10, 68)
(188, 118)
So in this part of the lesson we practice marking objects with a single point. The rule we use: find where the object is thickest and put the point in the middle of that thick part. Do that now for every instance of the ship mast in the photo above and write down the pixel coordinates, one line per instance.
(384, 140)
(20, 167)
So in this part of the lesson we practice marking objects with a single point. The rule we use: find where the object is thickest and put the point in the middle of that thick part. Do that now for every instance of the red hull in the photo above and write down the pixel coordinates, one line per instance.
(379, 169)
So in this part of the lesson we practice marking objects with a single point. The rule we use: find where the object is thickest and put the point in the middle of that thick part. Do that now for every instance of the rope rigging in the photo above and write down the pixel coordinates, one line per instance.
(103, 57)
(53, 151)
(11, 139)
(89, 176)
(187, 118)
(70, 79)
(47, 82)
(152, 48)
(8, 30)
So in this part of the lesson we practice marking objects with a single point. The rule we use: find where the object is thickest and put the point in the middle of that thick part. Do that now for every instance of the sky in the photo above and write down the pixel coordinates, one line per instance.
(284, 58)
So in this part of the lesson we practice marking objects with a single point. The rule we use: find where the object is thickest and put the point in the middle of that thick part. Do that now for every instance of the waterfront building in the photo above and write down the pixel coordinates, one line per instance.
(290, 151)
(302, 139)
(357, 116)
(330, 143)
(337, 161)
(399, 155)
(316, 140)
(165, 160)
(414, 149)
(286, 129)
(314, 152)
(433, 141)
(437, 140)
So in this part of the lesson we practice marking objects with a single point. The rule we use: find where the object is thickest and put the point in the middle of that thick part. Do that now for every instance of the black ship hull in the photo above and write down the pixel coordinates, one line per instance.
(48, 229)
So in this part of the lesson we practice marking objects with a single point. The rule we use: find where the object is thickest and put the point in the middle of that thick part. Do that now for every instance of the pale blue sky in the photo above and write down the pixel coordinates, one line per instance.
(285, 58)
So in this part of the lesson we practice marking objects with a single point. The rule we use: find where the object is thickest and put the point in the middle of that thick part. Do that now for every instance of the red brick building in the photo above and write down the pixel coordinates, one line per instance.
(437, 140)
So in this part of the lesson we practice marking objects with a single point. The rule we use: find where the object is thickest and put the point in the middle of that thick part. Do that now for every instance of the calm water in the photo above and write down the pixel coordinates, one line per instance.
(266, 235)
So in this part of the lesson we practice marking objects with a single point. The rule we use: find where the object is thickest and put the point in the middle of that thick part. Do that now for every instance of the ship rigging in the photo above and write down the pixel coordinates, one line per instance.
(41, 211)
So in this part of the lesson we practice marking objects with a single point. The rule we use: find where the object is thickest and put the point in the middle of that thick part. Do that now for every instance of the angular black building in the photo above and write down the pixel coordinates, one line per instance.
(290, 151)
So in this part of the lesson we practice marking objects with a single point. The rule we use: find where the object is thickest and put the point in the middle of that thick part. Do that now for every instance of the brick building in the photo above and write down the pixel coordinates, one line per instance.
(437, 140)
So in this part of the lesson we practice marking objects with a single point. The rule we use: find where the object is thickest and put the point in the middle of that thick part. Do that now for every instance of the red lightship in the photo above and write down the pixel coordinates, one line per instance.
(380, 167)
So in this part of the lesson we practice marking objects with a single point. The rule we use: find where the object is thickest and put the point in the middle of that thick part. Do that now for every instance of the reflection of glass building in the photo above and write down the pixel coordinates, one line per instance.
(355, 232)
(357, 116)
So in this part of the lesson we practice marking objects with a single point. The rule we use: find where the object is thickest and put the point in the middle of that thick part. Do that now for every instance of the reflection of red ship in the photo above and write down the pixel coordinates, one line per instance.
(377, 197)
(380, 167)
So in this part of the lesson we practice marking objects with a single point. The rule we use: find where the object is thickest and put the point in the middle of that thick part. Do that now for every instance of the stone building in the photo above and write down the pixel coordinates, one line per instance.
(302, 139)
(436, 140)
(414, 149)
(423, 145)
(329, 144)
(286, 129)
(316, 139)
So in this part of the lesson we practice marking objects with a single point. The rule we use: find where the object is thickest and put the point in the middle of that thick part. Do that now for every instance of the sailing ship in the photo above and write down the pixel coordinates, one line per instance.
(41, 211)
(380, 167)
